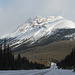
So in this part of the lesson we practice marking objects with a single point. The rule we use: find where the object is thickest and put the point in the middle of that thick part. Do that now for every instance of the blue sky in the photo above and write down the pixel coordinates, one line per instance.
(14, 13)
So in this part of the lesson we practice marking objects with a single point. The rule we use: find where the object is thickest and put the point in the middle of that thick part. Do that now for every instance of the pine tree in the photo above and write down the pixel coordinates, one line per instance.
(0, 56)
(7, 61)
(19, 61)
(4, 55)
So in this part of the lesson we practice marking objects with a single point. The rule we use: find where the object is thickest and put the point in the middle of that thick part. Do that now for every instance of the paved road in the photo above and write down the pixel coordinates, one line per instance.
(38, 72)
(42, 73)
(25, 72)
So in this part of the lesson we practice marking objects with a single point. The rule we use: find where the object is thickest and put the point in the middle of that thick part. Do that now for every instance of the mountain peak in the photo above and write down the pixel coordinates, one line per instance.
(34, 29)
(39, 19)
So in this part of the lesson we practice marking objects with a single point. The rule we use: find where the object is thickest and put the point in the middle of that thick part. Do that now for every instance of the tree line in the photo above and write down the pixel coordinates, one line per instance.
(8, 62)
(68, 62)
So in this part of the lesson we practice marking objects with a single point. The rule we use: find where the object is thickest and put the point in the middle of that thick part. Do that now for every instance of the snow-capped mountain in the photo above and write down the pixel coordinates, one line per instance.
(37, 28)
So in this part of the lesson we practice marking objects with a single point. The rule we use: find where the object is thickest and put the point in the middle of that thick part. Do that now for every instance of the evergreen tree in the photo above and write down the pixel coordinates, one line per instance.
(19, 61)
(0, 56)
(4, 55)
(7, 61)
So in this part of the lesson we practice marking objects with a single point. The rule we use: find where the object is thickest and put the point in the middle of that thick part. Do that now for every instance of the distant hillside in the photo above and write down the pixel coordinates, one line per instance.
(44, 54)
(68, 62)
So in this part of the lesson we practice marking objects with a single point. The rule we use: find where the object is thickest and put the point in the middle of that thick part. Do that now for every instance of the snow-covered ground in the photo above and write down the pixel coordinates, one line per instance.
(38, 72)
(52, 71)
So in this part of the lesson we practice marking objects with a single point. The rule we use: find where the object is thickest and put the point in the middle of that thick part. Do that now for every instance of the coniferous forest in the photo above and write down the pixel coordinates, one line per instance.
(8, 62)
(68, 62)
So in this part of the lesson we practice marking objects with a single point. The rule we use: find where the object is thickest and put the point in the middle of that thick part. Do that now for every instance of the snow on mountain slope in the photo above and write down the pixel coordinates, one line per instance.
(34, 29)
